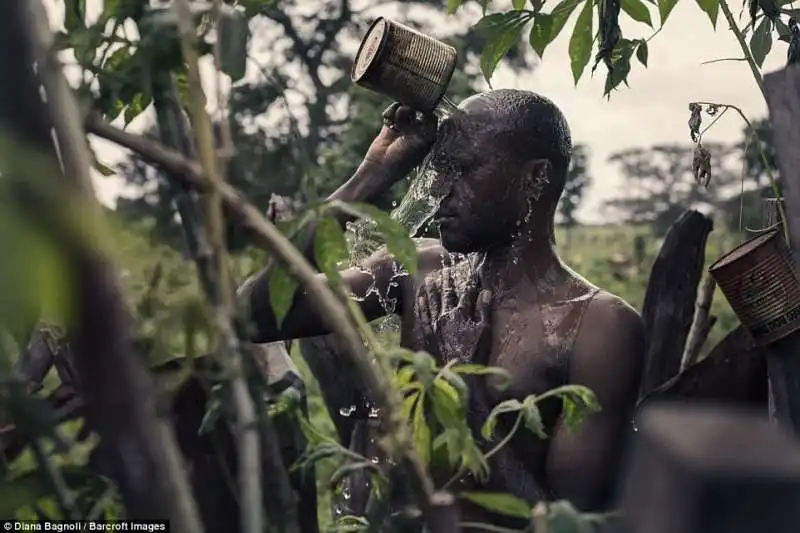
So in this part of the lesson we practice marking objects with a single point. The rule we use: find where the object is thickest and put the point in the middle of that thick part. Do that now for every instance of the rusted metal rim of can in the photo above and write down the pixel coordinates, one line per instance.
(759, 280)
(357, 76)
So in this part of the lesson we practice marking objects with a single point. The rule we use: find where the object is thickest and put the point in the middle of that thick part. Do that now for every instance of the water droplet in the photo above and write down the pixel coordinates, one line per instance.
(394, 203)
(347, 411)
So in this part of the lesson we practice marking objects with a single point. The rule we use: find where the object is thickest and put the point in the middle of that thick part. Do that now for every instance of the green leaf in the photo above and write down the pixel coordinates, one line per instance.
(637, 10)
(641, 52)
(330, 246)
(408, 404)
(452, 6)
(518, 4)
(532, 417)
(137, 105)
(508, 406)
(103, 169)
(761, 41)
(446, 404)
(501, 31)
(497, 502)
(577, 402)
(281, 292)
(421, 432)
(234, 32)
(711, 8)
(560, 15)
(580, 44)
(74, 15)
(665, 8)
(481, 370)
(540, 33)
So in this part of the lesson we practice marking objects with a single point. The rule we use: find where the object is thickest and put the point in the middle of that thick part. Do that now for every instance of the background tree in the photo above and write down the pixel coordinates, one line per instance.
(299, 125)
(659, 184)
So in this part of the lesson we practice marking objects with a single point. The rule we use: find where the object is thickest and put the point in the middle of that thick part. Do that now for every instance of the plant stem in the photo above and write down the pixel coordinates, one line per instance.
(773, 182)
(247, 437)
(726, 10)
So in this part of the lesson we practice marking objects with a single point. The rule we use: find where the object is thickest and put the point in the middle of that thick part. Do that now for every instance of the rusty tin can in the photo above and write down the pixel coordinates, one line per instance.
(404, 64)
(759, 280)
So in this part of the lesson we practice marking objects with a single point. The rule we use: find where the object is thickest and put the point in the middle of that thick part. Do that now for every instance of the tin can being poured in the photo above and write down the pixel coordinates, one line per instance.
(404, 64)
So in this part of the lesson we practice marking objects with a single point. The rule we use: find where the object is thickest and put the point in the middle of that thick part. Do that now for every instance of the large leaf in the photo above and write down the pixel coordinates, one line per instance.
(546, 27)
(580, 44)
(642, 52)
(497, 502)
(637, 10)
(665, 8)
(281, 292)
(711, 8)
(421, 432)
(508, 406)
(330, 248)
(501, 31)
(761, 41)
(74, 15)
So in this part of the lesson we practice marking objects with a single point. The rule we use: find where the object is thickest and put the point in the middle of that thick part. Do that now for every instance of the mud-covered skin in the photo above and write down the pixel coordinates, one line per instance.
(501, 162)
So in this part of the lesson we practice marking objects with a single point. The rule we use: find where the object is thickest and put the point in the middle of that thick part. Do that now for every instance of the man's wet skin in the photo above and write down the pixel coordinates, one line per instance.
(494, 291)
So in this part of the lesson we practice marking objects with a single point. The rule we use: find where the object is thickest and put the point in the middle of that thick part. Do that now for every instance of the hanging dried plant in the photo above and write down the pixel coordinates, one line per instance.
(695, 121)
(701, 165)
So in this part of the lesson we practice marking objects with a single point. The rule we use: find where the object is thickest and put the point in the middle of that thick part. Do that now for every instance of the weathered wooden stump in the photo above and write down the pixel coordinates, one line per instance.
(702, 469)
(669, 302)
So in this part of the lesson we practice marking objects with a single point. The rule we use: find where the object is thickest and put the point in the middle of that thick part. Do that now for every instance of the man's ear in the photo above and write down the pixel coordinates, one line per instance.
(537, 176)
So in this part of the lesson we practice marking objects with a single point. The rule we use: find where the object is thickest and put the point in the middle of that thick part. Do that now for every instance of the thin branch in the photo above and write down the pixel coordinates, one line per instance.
(331, 309)
(701, 324)
(723, 60)
(726, 10)
(752, 131)
(247, 437)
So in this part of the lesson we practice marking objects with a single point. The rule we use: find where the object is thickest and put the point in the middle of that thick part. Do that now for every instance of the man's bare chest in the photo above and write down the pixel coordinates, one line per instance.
(522, 344)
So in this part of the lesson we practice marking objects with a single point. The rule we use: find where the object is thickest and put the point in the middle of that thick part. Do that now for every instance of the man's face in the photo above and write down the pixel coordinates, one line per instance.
(479, 182)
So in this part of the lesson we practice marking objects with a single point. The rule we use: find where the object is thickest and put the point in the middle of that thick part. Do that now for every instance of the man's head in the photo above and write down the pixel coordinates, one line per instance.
(501, 162)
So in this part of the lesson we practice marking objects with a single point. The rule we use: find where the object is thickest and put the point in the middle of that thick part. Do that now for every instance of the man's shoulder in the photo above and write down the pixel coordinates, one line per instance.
(611, 319)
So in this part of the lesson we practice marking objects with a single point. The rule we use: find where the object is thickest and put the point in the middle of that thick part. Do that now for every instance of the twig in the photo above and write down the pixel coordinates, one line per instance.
(65, 498)
(723, 4)
(119, 392)
(752, 131)
(711, 61)
(701, 324)
(331, 309)
(247, 437)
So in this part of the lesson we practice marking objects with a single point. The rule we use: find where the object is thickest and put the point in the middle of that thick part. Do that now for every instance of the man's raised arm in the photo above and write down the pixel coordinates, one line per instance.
(403, 142)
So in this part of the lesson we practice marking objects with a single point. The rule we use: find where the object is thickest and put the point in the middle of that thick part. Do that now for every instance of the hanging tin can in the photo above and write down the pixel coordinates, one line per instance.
(759, 280)
(404, 65)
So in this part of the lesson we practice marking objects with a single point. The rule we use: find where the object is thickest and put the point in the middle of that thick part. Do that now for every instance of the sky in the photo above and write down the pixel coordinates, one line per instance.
(653, 110)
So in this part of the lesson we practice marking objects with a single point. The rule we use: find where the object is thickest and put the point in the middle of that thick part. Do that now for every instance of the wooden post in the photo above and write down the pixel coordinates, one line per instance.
(702, 469)
(783, 98)
(669, 302)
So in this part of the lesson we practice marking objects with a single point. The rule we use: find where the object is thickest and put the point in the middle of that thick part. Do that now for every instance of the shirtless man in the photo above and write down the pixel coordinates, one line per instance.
(501, 163)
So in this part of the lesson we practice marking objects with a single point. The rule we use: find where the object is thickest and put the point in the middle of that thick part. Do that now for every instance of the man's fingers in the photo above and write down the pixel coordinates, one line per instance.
(390, 112)
(424, 320)
(467, 302)
(433, 298)
(449, 296)
(483, 306)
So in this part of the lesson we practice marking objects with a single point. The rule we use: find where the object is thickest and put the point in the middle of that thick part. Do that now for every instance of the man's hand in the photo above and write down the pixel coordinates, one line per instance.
(404, 140)
(452, 319)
